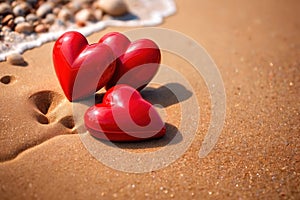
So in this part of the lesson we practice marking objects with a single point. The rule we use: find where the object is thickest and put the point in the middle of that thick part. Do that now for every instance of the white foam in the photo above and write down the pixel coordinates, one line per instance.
(148, 12)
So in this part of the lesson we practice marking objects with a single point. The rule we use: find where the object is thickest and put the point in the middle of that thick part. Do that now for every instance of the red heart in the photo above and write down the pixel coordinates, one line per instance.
(137, 62)
(82, 69)
(124, 116)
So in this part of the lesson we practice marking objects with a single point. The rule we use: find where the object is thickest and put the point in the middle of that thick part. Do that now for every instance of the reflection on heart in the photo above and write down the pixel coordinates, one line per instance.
(137, 62)
(82, 69)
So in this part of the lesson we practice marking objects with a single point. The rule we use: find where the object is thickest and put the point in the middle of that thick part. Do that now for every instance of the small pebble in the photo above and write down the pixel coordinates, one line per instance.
(41, 28)
(15, 59)
(32, 2)
(74, 6)
(7, 18)
(112, 7)
(6, 29)
(83, 16)
(84, 1)
(98, 14)
(5, 8)
(44, 9)
(56, 10)
(14, 3)
(64, 14)
(11, 23)
(18, 11)
(24, 27)
(21, 9)
(35, 23)
(50, 19)
(58, 1)
(19, 20)
(31, 17)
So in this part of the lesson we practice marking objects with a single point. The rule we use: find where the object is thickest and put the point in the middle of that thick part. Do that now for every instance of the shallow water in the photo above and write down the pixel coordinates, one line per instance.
(142, 13)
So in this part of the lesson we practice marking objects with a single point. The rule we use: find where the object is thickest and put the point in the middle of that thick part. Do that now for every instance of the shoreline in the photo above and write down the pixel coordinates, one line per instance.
(255, 46)
(143, 16)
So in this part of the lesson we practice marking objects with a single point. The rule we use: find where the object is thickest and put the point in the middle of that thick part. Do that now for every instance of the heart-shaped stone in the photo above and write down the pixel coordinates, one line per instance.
(124, 116)
(82, 69)
(137, 62)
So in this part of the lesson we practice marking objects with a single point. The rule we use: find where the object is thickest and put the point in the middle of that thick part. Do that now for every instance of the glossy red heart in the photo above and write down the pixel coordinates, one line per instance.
(124, 116)
(82, 69)
(137, 62)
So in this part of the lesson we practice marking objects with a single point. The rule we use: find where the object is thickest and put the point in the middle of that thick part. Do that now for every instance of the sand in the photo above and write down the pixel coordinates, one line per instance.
(256, 48)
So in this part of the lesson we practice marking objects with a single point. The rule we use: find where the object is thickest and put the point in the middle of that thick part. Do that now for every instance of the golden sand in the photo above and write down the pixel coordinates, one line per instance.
(255, 44)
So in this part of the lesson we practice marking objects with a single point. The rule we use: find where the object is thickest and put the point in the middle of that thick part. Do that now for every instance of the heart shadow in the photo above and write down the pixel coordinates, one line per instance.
(172, 137)
(166, 95)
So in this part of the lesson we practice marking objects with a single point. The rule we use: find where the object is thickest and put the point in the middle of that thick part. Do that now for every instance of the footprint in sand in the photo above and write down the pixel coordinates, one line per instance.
(50, 108)
(45, 114)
